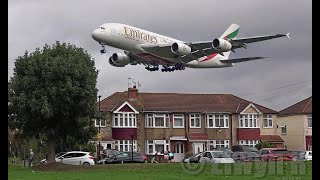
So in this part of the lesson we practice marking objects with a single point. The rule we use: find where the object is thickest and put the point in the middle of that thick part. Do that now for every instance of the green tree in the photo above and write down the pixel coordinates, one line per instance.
(264, 145)
(52, 95)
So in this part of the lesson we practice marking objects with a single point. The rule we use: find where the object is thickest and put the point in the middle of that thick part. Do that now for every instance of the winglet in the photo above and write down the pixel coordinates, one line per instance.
(288, 35)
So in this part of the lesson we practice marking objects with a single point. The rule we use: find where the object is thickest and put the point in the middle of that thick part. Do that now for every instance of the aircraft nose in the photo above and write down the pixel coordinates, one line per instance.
(96, 35)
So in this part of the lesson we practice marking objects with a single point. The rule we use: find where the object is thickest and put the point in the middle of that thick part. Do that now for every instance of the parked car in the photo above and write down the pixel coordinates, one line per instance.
(190, 158)
(308, 155)
(215, 157)
(43, 161)
(275, 154)
(243, 148)
(76, 158)
(124, 157)
(245, 156)
(110, 152)
(227, 150)
(298, 155)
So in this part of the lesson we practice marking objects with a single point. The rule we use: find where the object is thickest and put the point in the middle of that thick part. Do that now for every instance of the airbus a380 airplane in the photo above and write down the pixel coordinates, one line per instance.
(152, 50)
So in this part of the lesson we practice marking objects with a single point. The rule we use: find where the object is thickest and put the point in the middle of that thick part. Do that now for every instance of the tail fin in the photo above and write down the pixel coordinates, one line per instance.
(230, 33)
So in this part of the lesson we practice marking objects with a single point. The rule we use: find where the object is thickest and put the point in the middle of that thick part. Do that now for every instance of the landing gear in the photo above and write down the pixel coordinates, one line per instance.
(103, 50)
(167, 68)
(179, 66)
(152, 68)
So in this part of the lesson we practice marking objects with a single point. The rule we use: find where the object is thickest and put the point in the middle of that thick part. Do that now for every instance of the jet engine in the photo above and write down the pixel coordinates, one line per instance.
(180, 49)
(221, 44)
(119, 60)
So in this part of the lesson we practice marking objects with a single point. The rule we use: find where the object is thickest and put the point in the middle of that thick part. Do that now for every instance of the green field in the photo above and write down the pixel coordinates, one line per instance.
(238, 171)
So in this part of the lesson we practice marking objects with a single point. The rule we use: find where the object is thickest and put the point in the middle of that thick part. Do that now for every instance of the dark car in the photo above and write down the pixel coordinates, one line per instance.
(110, 152)
(124, 157)
(245, 156)
(275, 154)
(190, 158)
(227, 150)
(244, 148)
(298, 155)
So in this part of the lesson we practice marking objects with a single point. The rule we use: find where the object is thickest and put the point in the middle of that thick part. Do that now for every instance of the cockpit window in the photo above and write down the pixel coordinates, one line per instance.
(102, 27)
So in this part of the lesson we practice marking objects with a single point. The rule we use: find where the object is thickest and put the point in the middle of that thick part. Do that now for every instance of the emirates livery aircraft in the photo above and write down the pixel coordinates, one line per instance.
(151, 49)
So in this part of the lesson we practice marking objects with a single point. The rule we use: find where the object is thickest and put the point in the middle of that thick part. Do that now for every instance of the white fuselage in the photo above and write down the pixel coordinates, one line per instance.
(130, 38)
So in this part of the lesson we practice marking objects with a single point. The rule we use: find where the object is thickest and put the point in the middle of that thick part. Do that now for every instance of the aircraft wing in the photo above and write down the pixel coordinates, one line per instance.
(204, 48)
(238, 60)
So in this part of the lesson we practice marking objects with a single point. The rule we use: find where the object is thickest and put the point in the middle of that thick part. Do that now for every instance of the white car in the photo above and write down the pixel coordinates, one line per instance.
(215, 157)
(76, 158)
(308, 156)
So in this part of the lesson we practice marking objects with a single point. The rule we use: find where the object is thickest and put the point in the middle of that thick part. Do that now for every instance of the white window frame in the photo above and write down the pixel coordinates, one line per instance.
(249, 119)
(96, 123)
(212, 144)
(195, 117)
(150, 120)
(283, 126)
(180, 116)
(248, 142)
(125, 145)
(267, 118)
(153, 143)
(309, 120)
(212, 117)
(128, 120)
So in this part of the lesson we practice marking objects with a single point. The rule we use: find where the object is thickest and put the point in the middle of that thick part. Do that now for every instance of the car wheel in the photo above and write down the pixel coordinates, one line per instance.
(85, 163)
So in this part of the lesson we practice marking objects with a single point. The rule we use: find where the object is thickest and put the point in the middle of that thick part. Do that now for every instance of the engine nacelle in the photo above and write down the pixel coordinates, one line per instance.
(221, 44)
(180, 48)
(119, 60)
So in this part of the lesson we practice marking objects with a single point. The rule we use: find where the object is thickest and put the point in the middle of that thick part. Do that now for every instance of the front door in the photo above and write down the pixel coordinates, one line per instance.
(178, 152)
(197, 147)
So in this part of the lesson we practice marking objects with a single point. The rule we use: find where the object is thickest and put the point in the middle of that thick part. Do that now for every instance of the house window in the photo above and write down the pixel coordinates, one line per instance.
(157, 120)
(125, 145)
(283, 129)
(267, 121)
(213, 144)
(124, 119)
(102, 123)
(248, 121)
(178, 121)
(309, 120)
(248, 142)
(217, 120)
(159, 146)
(195, 121)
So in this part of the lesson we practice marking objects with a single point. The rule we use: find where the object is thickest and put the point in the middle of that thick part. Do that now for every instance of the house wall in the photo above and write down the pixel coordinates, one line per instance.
(295, 137)
(268, 131)
(234, 127)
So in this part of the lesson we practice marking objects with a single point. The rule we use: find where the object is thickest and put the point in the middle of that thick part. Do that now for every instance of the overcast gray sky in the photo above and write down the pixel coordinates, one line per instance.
(277, 82)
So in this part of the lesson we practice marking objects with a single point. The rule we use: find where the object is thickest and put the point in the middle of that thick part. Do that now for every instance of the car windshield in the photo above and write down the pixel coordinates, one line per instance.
(280, 151)
(249, 149)
(220, 155)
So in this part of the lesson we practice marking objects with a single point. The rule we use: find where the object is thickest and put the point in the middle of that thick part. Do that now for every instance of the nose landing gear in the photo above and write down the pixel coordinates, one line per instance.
(103, 50)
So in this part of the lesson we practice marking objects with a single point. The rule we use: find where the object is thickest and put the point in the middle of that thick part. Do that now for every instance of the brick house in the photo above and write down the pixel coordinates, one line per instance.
(295, 125)
(181, 123)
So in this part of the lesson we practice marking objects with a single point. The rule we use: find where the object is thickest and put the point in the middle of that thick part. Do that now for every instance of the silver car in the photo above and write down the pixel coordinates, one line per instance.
(76, 158)
(215, 157)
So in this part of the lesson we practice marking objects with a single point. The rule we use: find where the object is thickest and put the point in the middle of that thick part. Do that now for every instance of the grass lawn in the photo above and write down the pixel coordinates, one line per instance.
(238, 171)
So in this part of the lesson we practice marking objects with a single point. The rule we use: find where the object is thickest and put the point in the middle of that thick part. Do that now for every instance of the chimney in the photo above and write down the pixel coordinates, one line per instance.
(133, 93)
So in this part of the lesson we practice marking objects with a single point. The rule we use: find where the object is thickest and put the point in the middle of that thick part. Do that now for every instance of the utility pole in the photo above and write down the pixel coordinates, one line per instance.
(132, 147)
(99, 127)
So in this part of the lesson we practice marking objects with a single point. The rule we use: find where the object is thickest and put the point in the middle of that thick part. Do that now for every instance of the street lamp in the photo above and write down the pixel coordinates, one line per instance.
(99, 127)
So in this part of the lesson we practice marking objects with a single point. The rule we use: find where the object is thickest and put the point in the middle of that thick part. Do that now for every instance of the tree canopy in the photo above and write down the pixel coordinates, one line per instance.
(53, 94)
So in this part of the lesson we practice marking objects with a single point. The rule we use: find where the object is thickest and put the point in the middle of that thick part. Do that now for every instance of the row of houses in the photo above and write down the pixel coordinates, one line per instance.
(182, 123)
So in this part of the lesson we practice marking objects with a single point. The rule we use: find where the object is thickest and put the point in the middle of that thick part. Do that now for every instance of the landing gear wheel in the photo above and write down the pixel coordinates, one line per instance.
(102, 51)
